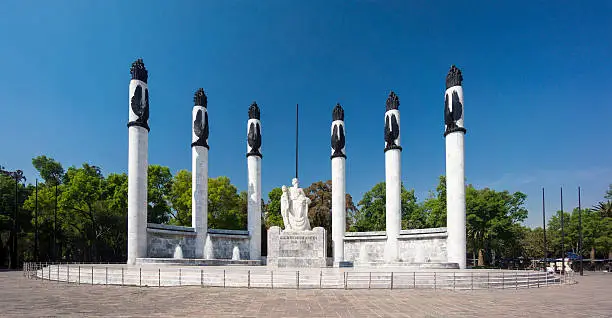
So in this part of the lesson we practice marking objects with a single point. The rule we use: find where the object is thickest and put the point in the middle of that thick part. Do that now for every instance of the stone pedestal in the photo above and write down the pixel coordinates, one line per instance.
(297, 248)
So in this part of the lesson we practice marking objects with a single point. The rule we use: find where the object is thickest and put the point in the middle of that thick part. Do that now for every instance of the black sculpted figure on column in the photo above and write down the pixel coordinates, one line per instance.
(453, 112)
(140, 106)
(337, 139)
(392, 131)
(200, 124)
(254, 135)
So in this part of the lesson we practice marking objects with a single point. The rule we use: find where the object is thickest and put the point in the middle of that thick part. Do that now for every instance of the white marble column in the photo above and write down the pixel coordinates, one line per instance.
(254, 173)
(393, 178)
(455, 168)
(338, 165)
(138, 145)
(199, 168)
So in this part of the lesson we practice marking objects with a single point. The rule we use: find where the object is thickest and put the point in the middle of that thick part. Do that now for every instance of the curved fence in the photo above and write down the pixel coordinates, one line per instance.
(263, 277)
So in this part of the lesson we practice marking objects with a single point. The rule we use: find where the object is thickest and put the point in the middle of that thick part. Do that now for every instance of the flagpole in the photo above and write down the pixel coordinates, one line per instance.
(544, 226)
(562, 237)
(296, 141)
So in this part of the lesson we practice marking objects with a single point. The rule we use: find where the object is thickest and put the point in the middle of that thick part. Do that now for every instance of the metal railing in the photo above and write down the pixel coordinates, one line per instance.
(162, 276)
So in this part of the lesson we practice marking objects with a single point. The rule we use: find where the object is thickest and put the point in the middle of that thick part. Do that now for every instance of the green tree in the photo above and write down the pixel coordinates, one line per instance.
(113, 218)
(491, 216)
(597, 231)
(81, 200)
(532, 242)
(180, 198)
(9, 256)
(319, 210)
(434, 207)
(225, 205)
(604, 209)
(50, 170)
(46, 219)
(273, 215)
(413, 214)
(554, 234)
(371, 213)
(159, 187)
(92, 212)
(53, 175)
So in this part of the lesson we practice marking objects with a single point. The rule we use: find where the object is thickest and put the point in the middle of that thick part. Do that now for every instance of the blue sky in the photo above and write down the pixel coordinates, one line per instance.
(536, 84)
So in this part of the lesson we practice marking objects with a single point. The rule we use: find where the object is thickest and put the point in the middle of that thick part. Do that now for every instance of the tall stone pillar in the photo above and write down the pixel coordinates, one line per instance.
(455, 168)
(138, 147)
(254, 192)
(393, 177)
(199, 168)
(338, 162)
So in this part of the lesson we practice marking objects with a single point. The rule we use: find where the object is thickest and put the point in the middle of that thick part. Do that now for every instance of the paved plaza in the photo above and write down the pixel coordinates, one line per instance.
(22, 297)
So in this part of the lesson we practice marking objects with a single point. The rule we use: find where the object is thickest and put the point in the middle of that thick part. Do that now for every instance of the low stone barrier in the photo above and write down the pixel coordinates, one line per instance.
(263, 277)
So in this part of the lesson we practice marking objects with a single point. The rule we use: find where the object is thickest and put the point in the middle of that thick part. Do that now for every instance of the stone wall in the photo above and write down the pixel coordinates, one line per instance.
(163, 239)
(415, 246)
(223, 242)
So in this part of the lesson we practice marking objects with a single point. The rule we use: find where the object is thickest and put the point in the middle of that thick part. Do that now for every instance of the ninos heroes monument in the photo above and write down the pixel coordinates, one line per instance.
(297, 244)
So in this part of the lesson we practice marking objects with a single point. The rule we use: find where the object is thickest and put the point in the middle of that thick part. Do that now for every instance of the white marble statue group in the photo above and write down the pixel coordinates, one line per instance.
(294, 208)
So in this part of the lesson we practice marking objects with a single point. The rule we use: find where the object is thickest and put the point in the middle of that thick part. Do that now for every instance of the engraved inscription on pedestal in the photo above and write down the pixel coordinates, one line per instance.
(296, 248)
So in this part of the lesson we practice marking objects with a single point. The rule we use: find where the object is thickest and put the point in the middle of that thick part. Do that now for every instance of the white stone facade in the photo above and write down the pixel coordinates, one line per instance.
(414, 246)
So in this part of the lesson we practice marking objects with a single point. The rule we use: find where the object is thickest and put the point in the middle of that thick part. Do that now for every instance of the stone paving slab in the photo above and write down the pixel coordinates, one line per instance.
(22, 297)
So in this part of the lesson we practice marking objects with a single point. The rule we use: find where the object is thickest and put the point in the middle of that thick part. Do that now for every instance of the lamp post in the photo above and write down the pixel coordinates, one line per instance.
(18, 176)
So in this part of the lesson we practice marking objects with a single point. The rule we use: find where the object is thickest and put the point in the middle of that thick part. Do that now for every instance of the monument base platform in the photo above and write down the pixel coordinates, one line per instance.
(300, 249)
(407, 265)
(196, 261)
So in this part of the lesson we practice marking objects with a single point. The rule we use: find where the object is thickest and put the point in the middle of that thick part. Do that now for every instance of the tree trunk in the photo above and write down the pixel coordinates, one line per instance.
(592, 256)
(480, 257)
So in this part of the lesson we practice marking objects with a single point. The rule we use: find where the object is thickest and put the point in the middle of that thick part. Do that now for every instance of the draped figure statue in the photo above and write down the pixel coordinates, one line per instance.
(294, 208)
